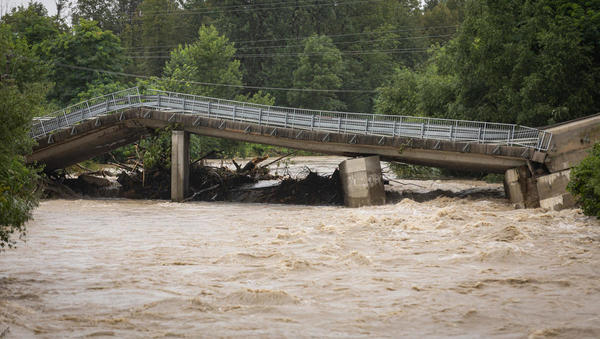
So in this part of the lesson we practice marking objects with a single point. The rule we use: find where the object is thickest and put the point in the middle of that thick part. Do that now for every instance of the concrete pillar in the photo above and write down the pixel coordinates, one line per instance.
(362, 182)
(520, 188)
(552, 189)
(180, 165)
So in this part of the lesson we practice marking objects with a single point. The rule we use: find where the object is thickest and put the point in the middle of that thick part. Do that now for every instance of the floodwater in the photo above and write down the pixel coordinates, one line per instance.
(441, 267)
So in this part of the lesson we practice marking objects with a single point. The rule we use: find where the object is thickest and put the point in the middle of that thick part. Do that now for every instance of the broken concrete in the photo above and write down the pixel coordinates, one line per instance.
(520, 188)
(552, 190)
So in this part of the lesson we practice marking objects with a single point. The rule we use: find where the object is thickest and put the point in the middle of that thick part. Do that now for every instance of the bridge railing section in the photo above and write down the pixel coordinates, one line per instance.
(74, 114)
(356, 123)
(306, 119)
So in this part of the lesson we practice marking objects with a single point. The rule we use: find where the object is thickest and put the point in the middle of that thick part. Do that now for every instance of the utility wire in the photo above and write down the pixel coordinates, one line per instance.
(210, 8)
(335, 43)
(410, 29)
(178, 11)
(275, 55)
(83, 68)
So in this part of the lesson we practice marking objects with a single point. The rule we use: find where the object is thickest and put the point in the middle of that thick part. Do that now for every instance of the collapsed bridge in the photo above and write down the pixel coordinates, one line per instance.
(99, 125)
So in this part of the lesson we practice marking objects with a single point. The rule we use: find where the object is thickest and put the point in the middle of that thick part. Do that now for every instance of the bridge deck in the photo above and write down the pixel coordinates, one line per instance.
(428, 141)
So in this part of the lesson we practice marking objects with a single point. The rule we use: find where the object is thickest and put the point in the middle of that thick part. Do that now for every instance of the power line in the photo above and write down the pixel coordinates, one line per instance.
(83, 68)
(335, 43)
(246, 6)
(272, 55)
(410, 29)
(241, 9)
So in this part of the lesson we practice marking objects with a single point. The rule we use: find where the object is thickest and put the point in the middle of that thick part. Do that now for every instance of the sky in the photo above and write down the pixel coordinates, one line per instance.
(49, 4)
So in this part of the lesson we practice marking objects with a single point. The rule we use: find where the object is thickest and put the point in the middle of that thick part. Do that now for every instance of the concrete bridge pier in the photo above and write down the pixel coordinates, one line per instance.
(520, 188)
(362, 182)
(547, 191)
(180, 165)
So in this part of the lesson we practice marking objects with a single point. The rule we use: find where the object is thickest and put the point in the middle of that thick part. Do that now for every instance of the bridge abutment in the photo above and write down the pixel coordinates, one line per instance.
(552, 190)
(362, 182)
(180, 165)
(546, 191)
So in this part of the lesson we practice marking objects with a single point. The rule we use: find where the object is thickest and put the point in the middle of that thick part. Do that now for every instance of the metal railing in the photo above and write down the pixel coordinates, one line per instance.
(297, 118)
(77, 113)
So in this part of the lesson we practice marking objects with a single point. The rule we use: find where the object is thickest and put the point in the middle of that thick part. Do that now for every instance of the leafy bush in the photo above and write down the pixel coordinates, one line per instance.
(407, 171)
(585, 182)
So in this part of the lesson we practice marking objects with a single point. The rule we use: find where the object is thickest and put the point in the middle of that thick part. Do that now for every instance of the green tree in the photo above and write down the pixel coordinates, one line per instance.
(210, 59)
(154, 31)
(518, 61)
(32, 23)
(530, 62)
(372, 69)
(99, 11)
(441, 18)
(320, 67)
(585, 182)
(77, 54)
(428, 91)
(20, 99)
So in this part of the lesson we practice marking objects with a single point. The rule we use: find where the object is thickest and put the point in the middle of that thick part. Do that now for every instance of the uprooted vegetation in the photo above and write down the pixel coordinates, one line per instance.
(136, 179)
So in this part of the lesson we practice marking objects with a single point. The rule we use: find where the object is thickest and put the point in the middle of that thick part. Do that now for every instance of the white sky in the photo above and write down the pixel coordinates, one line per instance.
(8, 4)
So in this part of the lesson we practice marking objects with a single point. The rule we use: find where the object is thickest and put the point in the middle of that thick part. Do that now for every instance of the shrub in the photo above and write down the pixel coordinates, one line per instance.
(585, 182)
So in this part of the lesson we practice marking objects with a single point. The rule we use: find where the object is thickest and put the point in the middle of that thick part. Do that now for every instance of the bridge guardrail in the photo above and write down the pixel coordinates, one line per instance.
(275, 116)
(71, 115)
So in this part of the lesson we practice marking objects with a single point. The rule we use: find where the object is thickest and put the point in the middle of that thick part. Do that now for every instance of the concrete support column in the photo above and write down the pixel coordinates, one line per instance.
(180, 165)
(520, 188)
(362, 182)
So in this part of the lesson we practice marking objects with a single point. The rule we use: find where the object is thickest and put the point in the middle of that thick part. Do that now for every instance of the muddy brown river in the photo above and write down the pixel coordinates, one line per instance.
(442, 267)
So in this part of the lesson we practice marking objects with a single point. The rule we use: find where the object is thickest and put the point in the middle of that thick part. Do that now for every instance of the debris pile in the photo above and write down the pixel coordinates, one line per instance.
(207, 183)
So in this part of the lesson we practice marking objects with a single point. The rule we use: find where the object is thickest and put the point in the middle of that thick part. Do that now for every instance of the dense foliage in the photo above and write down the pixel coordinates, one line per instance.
(585, 183)
(529, 62)
(20, 98)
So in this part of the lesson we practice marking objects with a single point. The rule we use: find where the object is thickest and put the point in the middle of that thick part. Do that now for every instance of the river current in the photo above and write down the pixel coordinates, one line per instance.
(442, 267)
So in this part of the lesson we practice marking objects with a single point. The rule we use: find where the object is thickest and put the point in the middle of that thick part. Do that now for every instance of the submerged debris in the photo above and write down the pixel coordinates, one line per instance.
(248, 183)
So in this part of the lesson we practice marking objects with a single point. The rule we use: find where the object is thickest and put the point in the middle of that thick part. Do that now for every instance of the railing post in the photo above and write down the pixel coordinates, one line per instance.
(43, 129)
(482, 139)
(511, 135)
(234, 112)
(346, 125)
(312, 122)
(66, 119)
(114, 101)
(422, 130)
(158, 100)
(260, 112)
(451, 132)
(394, 128)
(339, 123)
(184, 103)
(209, 109)
(320, 124)
(87, 103)
(286, 119)
(367, 126)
